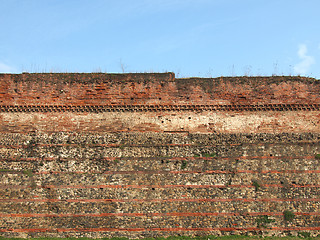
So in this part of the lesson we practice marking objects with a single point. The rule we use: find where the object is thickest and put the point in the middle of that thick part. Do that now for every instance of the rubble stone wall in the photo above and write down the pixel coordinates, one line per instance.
(241, 159)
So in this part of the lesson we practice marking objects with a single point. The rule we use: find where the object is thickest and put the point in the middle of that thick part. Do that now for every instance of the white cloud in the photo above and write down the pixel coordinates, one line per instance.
(306, 61)
(4, 68)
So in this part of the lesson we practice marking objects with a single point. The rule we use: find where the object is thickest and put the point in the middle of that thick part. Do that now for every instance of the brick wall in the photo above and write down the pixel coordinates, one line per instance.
(164, 89)
(145, 155)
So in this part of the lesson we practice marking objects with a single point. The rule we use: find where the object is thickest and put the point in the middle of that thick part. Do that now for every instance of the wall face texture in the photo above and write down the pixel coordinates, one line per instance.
(146, 155)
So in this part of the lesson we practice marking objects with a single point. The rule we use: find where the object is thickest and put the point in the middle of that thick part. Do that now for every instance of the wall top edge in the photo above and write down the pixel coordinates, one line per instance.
(167, 76)
(87, 78)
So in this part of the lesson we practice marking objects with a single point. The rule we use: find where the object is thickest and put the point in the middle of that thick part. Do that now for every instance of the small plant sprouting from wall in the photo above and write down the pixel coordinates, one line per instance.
(256, 185)
(288, 215)
(209, 155)
(262, 221)
(184, 164)
(317, 156)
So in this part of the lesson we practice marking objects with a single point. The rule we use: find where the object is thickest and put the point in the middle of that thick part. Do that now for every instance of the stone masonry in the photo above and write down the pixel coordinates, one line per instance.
(146, 155)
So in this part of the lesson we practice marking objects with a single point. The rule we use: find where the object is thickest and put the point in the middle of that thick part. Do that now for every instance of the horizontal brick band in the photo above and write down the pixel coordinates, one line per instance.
(195, 172)
(157, 108)
(132, 145)
(174, 214)
(97, 145)
(35, 159)
(177, 229)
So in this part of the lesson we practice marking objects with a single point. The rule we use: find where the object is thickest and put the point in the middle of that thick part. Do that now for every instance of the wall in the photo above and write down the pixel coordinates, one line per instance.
(151, 89)
(75, 165)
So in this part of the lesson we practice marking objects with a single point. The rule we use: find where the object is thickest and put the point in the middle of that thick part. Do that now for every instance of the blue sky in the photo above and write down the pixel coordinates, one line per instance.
(205, 38)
